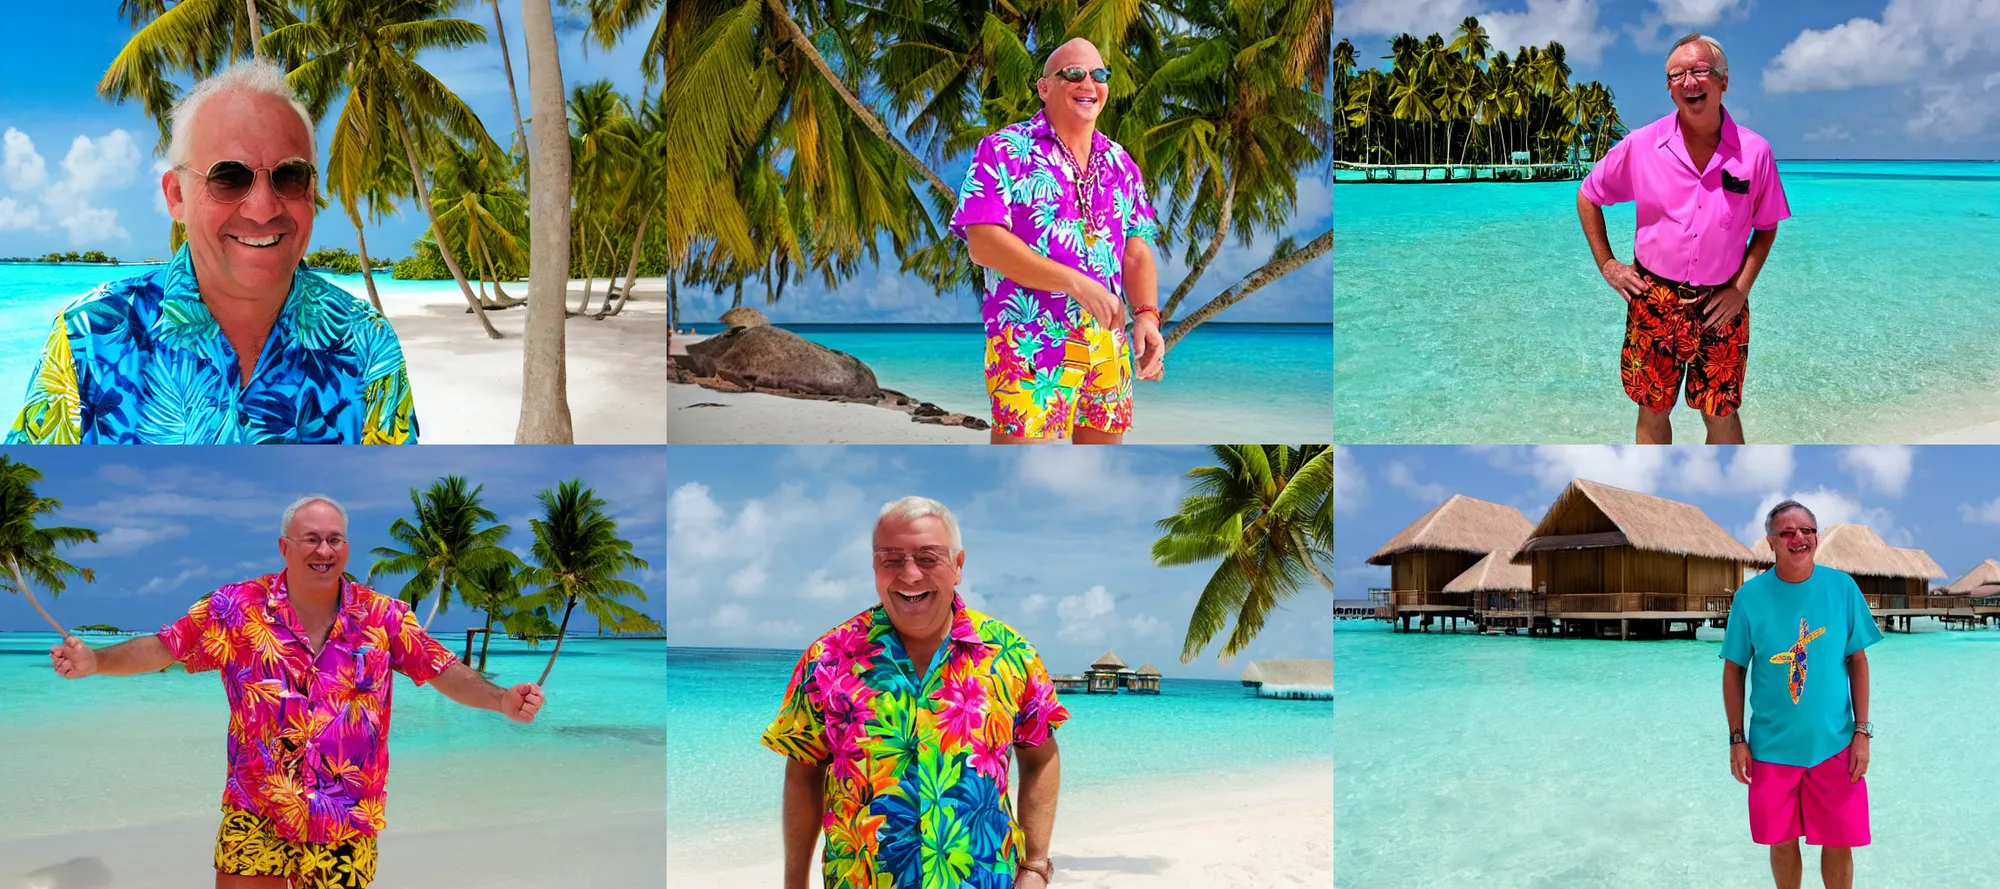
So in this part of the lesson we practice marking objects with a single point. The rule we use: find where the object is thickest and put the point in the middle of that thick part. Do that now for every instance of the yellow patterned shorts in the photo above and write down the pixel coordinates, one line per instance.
(248, 845)
(1044, 388)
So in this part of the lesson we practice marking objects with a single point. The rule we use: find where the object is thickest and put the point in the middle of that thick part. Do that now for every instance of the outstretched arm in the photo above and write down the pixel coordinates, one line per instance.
(462, 684)
(144, 654)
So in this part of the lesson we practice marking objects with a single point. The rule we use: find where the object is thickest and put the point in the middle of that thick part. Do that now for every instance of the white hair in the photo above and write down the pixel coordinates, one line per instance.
(1771, 518)
(285, 522)
(1721, 63)
(257, 77)
(910, 509)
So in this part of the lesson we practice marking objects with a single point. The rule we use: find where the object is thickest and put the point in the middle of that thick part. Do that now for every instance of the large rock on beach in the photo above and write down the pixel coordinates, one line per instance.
(744, 316)
(773, 358)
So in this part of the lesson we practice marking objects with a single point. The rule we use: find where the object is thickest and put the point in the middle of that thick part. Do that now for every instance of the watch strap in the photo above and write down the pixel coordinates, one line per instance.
(1736, 737)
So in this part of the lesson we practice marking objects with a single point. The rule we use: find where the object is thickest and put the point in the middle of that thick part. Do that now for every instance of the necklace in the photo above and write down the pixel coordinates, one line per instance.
(1085, 179)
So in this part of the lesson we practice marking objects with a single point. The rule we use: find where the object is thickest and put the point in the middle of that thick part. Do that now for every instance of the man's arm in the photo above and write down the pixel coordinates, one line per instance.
(1732, 706)
(996, 248)
(804, 809)
(464, 685)
(1622, 278)
(144, 654)
(1728, 302)
(1142, 291)
(1857, 683)
(1041, 781)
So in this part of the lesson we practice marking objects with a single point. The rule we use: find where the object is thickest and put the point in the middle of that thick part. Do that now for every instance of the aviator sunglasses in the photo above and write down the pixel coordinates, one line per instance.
(229, 182)
(1076, 74)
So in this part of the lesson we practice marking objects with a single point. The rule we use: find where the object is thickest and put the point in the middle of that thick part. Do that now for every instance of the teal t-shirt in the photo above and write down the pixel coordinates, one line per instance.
(1795, 639)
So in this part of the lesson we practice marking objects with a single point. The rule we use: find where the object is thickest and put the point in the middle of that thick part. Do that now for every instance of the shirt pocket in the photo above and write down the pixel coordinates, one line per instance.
(1738, 194)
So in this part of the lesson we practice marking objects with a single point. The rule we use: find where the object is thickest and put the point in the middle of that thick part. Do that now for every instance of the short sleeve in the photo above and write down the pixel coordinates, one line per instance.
(414, 653)
(1771, 207)
(52, 412)
(1610, 179)
(1039, 714)
(391, 416)
(1736, 647)
(799, 732)
(986, 197)
(1140, 220)
(184, 638)
(1861, 629)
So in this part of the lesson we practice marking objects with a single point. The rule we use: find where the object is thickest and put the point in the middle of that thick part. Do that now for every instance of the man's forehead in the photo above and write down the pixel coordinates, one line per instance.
(1690, 54)
(244, 125)
(1791, 518)
(1075, 52)
(318, 513)
(919, 529)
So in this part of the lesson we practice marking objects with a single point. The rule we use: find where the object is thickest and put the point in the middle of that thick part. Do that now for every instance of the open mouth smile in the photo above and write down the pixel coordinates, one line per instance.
(260, 242)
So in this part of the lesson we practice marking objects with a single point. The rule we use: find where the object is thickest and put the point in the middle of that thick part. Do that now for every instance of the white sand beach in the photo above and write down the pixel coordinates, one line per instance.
(704, 416)
(468, 387)
(1270, 828)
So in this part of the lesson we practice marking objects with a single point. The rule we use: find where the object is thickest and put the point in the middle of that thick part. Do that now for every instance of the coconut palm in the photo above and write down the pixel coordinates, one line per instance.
(544, 380)
(29, 549)
(644, 190)
(483, 213)
(196, 38)
(579, 559)
(603, 140)
(443, 545)
(611, 19)
(1266, 512)
(495, 589)
(507, 67)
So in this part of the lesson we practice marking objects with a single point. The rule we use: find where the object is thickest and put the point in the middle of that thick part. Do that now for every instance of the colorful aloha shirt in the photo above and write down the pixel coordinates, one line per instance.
(1022, 178)
(141, 361)
(308, 735)
(916, 782)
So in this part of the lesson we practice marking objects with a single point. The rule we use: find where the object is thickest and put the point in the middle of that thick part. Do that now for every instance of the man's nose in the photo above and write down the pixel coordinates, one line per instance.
(262, 204)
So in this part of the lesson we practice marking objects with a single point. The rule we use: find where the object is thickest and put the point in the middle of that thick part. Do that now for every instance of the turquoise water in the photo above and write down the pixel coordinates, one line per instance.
(1512, 763)
(721, 781)
(1267, 381)
(1472, 313)
(109, 752)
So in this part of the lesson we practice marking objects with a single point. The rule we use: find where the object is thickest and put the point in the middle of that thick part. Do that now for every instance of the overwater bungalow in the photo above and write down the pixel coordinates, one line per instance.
(1500, 593)
(1981, 587)
(1610, 562)
(1437, 548)
(1106, 675)
(1146, 681)
(1066, 683)
(1303, 678)
(1895, 580)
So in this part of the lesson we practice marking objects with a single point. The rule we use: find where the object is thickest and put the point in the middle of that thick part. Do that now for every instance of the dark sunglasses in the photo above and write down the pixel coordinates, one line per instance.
(1076, 74)
(229, 182)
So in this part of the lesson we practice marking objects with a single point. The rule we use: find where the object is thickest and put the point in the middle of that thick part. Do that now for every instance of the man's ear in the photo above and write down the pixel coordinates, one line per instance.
(170, 187)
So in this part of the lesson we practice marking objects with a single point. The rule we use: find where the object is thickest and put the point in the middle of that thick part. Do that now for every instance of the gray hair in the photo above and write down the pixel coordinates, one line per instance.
(1721, 63)
(285, 522)
(1771, 518)
(910, 509)
(258, 77)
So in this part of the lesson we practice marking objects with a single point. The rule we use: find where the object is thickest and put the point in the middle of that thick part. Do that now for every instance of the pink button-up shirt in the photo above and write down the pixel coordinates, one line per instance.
(1693, 224)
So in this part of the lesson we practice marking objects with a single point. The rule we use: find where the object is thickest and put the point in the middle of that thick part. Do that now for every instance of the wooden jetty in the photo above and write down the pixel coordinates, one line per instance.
(1895, 580)
(1434, 550)
(1356, 609)
(1436, 173)
(1981, 588)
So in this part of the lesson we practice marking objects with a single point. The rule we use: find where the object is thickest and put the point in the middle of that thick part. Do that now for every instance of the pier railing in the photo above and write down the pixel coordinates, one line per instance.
(1948, 604)
(1597, 603)
(1421, 599)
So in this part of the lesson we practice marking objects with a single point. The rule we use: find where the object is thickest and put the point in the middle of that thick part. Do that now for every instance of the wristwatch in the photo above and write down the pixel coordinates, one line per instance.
(1866, 728)
(1736, 737)
(1043, 867)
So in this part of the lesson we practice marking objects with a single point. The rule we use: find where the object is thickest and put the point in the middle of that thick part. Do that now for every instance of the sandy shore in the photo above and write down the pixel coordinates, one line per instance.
(468, 387)
(705, 416)
(1265, 829)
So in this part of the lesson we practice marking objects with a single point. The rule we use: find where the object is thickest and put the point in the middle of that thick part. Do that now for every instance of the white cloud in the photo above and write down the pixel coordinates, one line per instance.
(1097, 481)
(169, 585)
(820, 586)
(20, 164)
(93, 225)
(1403, 477)
(1033, 605)
(1350, 486)
(91, 166)
(749, 580)
(108, 162)
(1145, 626)
(1829, 508)
(1832, 132)
(1945, 50)
(125, 540)
(1697, 12)
(1750, 470)
(1987, 513)
(15, 215)
(1573, 23)
(1884, 469)
(1087, 617)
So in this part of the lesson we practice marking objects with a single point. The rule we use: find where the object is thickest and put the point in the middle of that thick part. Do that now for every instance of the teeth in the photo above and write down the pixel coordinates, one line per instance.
(266, 241)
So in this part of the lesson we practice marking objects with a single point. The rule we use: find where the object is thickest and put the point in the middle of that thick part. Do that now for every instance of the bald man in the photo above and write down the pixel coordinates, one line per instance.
(1061, 213)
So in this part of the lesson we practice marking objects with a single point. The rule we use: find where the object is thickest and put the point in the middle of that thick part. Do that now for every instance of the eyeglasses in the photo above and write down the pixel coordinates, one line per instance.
(1699, 72)
(1797, 534)
(314, 541)
(926, 559)
(1076, 74)
(230, 182)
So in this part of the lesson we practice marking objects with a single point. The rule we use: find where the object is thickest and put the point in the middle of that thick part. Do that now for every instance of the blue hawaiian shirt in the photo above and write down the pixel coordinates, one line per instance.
(141, 361)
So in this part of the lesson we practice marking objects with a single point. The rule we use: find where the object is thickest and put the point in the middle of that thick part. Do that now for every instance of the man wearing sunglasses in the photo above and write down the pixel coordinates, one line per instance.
(233, 341)
(1798, 632)
(1062, 214)
(306, 656)
(1703, 185)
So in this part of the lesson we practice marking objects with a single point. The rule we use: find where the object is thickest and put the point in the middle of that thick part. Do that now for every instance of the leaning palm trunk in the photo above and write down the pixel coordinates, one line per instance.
(367, 268)
(561, 631)
(1271, 271)
(256, 30)
(437, 231)
(507, 64)
(632, 265)
(1214, 247)
(22, 585)
(544, 381)
(436, 600)
(486, 640)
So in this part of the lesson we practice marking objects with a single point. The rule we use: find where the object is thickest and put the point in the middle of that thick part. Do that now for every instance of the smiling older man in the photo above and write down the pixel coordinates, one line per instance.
(233, 341)
(1702, 185)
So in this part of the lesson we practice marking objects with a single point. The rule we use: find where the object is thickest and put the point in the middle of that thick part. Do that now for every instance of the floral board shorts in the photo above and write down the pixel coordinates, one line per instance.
(1045, 379)
(248, 845)
(1666, 342)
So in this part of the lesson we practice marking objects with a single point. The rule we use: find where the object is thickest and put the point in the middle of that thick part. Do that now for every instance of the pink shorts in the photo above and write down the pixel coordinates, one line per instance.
(1818, 803)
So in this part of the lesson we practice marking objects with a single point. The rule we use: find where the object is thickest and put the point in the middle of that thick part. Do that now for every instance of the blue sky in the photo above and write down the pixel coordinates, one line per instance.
(79, 173)
(1819, 78)
(175, 523)
(769, 546)
(1942, 499)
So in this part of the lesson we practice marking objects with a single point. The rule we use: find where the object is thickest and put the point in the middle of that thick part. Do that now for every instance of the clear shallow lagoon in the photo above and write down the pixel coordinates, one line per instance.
(723, 783)
(1470, 312)
(110, 752)
(1512, 763)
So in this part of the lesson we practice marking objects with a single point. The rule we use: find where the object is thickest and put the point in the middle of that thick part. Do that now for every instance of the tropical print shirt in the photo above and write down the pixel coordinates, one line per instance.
(1022, 178)
(308, 733)
(916, 782)
(141, 361)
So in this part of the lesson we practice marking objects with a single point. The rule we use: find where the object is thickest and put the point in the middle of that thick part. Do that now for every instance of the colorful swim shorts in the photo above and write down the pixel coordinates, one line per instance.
(248, 845)
(1818, 803)
(1046, 377)
(1666, 341)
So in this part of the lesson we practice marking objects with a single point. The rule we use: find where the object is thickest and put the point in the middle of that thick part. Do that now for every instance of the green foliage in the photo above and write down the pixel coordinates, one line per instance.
(73, 256)
(425, 264)
(97, 628)
(342, 260)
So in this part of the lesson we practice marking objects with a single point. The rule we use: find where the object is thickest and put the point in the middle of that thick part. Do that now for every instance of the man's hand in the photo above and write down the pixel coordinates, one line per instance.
(1107, 309)
(73, 659)
(1150, 348)
(1720, 307)
(1739, 762)
(520, 702)
(1623, 278)
(1028, 879)
(1857, 758)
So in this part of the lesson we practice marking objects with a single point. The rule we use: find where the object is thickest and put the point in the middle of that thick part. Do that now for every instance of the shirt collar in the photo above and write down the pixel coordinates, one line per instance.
(351, 607)
(1670, 135)
(963, 630)
(1040, 128)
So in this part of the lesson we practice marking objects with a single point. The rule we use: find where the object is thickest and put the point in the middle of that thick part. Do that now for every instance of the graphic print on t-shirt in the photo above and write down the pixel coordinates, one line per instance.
(1795, 679)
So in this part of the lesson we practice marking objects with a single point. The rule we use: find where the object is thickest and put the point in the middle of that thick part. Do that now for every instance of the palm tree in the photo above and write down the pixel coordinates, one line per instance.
(483, 212)
(610, 19)
(495, 589)
(544, 380)
(507, 66)
(645, 186)
(197, 38)
(579, 559)
(29, 549)
(603, 141)
(443, 545)
(1267, 513)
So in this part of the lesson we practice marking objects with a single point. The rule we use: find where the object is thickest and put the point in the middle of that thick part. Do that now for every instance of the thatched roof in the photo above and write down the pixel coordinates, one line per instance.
(1149, 670)
(1493, 573)
(1460, 524)
(1648, 523)
(1984, 574)
(1109, 661)
(1302, 671)
(1857, 549)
